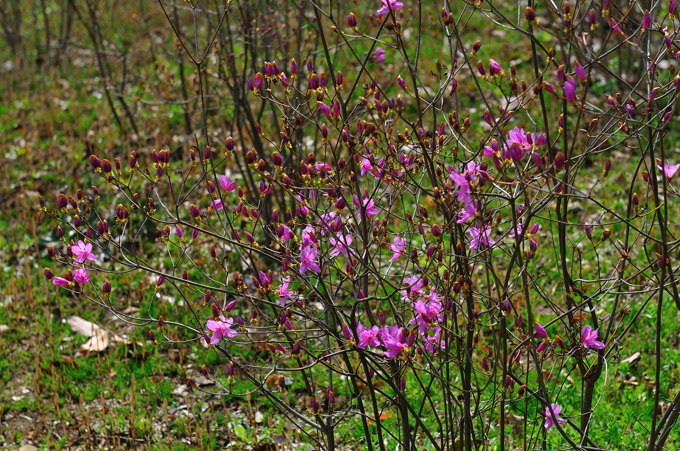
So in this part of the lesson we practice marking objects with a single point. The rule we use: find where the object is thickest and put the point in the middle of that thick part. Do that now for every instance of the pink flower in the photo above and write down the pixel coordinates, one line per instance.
(284, 232)
(480, 237)
(341, 245)
(217, 204)
(227, 184)
(366, 165)
(616, 29)
(669, 170)
(468, 212)
(397, 247)
(589, 338)
(388, 5)
(494, 67)
(221, 329)
(392, 338)
(81, 276)
(367, 203)
(83, 252)
(379, 54)
(368, 336)
(285, 294)
(540, 331)
(60, 281)
(569, 89)
(580, 72)
(308, 260)
(552, 418)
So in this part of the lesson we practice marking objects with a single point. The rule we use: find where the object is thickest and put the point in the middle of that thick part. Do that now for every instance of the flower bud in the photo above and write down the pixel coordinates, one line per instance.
(95, 162)
(351, 20)
(530, 15)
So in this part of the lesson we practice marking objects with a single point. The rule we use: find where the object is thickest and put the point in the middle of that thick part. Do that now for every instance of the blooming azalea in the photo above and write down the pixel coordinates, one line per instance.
(669, 170)
(368, 336)
(392, 338)
(227, 184)
(367, 203)
(217, 204)
(480, 237)
(341, 245)
(379, 54)
(553, 418)
(285, 294)
(221, 328)
(83, 252)
(366, 165)
(81, 276)
(308, 259)
(589, 338)
(60, 281)
(569, 89)
(388, 5)
(540, 331)
(397, 247)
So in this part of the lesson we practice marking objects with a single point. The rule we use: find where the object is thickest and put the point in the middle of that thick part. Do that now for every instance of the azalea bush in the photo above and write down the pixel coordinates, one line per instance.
(391, 226)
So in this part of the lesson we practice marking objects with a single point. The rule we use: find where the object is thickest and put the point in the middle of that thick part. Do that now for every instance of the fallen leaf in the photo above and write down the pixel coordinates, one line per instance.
(4, 328)
(96, 343)
(83, 327)
(632, 359)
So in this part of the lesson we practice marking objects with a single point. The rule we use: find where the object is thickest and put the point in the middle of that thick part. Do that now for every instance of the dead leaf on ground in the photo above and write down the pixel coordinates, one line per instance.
(96, 343)
(84, 327)
(632, 359)
(4, 328)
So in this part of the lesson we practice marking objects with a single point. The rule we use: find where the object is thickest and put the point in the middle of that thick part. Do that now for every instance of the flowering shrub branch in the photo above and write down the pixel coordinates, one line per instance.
(408, 236)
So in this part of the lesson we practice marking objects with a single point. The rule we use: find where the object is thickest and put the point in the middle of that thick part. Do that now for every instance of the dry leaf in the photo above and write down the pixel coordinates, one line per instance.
(632, 359)
(4, 328)
(96, 343)
(99, 337)
(83, 327)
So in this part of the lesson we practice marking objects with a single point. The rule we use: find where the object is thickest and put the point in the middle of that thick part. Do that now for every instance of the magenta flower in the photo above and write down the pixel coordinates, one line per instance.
(540, 331)
(392, 338)
(341, 245)
(647, 21)
(285, 294)
(580, 72)
(308, 260)
(397, 247)
(589, 338)
(217, 204)
(81, 276)
(553, 418)
(221, 329)
(669, 170)
(367, 203)
(227, 184)
(83, 252)
(60, 281)
(480, 237)
(368, 336)
(308, 236)
(284, 232)
(366, 165)
(468, 212)
(494, 67)
(388, 5)
(616, 29)
(379, 54)
(569, 89)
